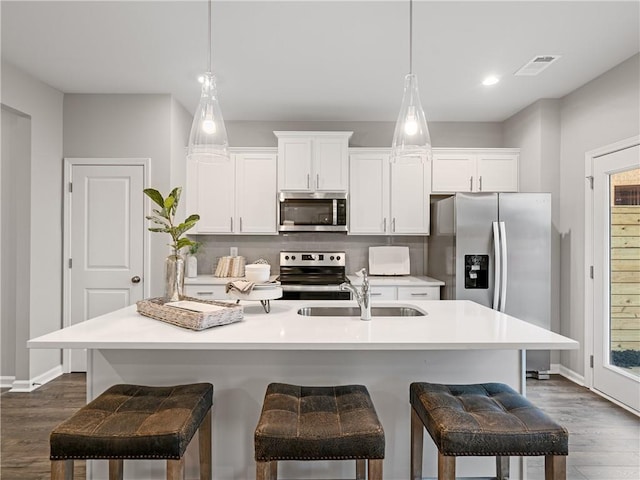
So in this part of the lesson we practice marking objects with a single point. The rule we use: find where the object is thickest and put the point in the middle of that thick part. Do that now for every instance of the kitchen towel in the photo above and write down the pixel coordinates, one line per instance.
(240, 286)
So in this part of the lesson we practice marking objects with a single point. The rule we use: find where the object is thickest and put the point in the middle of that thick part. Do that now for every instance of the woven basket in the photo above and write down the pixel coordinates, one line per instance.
(155, 308)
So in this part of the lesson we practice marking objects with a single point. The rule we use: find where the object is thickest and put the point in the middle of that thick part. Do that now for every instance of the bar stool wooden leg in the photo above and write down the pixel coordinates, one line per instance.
(375, 469)
(61, 469)
(204, 444)
(175, 469)
(446, 467)
(502, 468)
(361, 468)
(417, 434)
(273, 471)
(555, 467)
(116, 469)
(263, 470)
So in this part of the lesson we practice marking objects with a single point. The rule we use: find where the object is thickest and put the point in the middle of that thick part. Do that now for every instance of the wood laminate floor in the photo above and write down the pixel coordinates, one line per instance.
(604, 440)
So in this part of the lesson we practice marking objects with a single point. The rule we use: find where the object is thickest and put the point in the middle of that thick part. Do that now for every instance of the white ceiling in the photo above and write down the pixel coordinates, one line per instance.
(322, 60)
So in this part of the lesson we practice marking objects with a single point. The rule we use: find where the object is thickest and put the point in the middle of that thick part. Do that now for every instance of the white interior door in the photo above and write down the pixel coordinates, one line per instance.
(616, 247)
(106, 242)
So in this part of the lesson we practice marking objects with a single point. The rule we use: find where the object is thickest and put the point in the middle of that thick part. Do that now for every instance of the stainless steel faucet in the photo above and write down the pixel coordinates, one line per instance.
(362, 296)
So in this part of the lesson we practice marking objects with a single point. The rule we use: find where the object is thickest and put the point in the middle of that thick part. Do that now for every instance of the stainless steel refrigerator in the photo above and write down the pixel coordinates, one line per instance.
(495, 249)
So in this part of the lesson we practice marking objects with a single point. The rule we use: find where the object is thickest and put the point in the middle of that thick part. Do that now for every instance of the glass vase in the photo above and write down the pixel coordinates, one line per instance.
(173, 278)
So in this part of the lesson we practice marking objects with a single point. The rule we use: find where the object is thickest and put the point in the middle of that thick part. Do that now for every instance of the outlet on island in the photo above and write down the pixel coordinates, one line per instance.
(233, 251)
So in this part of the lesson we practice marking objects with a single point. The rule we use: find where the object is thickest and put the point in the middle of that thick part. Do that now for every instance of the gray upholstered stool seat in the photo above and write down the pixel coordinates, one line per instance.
(318, 423)
(489, 419)
(136, 422)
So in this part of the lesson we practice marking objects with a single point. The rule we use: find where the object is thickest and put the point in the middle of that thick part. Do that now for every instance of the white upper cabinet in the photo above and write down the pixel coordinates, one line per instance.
(388, 198)
(237, 196)
(475, 170)
(313, 161)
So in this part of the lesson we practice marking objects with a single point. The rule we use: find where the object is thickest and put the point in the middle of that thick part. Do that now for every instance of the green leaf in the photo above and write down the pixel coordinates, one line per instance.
(183, 242)
(162, 213)
(168, 202)
(161, 230)
(154, 195)
(192, 218)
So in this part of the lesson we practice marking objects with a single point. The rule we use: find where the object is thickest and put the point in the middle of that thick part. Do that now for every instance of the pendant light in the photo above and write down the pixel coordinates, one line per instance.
(411, 137)
(208, 138)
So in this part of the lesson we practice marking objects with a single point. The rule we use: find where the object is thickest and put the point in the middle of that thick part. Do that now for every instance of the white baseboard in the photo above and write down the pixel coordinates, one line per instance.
(31, 385)
(554, 369)
(571, 375)
(7, 381)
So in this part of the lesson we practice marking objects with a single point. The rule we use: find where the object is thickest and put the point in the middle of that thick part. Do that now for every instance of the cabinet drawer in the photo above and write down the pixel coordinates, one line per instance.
(418, 293)
(383, 293)
(206, 292)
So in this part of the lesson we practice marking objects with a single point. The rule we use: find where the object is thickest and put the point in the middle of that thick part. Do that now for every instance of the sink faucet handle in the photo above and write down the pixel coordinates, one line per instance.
(362, 273)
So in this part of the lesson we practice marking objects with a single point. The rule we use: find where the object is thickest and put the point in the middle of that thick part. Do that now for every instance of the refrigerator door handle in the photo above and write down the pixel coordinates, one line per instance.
(497, 266)
(503, 276)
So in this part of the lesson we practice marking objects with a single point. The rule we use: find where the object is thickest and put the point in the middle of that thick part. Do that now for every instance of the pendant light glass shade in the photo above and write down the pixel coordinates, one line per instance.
(208, 138)
(411, 136)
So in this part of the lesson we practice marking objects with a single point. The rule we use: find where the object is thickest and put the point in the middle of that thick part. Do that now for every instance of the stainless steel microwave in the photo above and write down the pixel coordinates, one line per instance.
(312, 212)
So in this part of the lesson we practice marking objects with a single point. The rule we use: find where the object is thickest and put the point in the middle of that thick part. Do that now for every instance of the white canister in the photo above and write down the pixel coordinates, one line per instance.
(192, 266)
(257, 272)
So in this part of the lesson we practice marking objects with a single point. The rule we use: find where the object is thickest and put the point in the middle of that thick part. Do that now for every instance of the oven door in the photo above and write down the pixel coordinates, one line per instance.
(314, 292)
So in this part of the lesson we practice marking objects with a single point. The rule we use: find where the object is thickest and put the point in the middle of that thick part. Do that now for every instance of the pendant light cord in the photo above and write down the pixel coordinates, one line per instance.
(410, 36)
(209, 58)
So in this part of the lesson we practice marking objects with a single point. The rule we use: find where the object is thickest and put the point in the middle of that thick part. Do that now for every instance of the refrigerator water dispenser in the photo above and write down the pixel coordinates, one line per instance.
(476, 271)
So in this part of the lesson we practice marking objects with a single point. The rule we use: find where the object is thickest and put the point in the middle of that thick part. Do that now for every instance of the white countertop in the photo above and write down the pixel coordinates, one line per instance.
(396, 280)
(449, 325)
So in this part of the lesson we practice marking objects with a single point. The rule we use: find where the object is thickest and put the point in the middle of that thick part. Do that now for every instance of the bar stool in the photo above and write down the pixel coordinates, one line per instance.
(487, 419)
(318, 423)
(136, 422)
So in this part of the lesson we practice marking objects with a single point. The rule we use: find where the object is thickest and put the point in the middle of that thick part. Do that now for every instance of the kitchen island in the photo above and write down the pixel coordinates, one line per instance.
(455, 342)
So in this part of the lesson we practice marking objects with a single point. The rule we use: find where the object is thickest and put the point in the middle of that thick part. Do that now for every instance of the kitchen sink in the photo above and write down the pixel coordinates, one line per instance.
(395, 311)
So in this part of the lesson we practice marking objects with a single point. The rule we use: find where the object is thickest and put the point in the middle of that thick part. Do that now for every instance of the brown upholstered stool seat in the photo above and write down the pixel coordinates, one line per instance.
(137, 422)
(318, 423)
(488, 419)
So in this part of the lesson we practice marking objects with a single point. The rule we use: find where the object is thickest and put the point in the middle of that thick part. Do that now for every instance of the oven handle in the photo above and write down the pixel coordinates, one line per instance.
(311, 288)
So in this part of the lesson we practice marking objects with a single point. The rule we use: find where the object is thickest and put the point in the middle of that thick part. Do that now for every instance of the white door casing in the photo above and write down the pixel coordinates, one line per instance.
(604, 378)
(106, 243)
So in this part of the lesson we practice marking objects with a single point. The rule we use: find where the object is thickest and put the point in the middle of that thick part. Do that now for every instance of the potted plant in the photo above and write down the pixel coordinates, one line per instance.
(165, 218)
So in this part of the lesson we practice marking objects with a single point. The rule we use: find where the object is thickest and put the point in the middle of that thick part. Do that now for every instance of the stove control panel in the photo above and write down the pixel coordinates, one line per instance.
(300, 259)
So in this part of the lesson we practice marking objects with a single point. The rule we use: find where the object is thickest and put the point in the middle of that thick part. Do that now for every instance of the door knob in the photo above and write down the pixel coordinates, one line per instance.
(135, 279)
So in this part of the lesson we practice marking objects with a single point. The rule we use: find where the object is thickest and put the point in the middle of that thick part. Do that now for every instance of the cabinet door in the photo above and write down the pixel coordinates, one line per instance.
(382, 293)
(330, 164)
(410, 190)
(369, 194)
(294, 164)
(256, 192)
(418, 293)
(206, 292)
(497, 172)
(453, 173)
(210, 194)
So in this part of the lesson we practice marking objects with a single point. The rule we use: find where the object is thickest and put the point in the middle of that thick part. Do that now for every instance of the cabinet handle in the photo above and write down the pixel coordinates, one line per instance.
(384, 225)
(317, 181)
(204, 293)
(375, 294)
(393, 225)
(308, 186)
(471, 183)
(480, 182)
(424, 294)
(231, 219)
(240, 224)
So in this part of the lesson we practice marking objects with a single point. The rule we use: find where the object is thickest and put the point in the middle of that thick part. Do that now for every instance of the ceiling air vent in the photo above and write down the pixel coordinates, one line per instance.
(536, 65)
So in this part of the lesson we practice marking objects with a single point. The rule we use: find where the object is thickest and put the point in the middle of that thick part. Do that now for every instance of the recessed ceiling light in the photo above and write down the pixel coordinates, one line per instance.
(490, 80)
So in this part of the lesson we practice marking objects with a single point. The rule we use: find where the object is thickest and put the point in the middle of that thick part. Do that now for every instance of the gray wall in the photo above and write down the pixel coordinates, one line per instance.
(599, 113)
(127, 126)
(43, 105)
(369, 134)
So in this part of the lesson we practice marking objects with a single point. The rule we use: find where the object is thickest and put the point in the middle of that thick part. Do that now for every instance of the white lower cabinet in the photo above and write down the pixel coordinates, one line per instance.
(418, 293)
(238, 196)
(404, 293)
(388, 198)
(206, 292)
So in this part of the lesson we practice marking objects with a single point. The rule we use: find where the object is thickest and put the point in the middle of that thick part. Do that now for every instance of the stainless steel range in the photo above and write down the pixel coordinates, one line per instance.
(313, 275)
